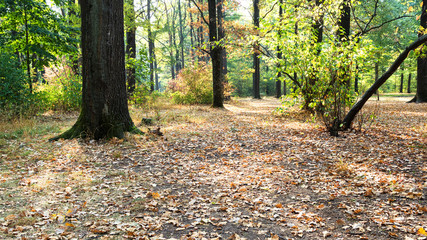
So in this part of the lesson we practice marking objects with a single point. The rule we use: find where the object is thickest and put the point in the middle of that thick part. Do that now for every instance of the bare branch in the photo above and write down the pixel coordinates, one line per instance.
(271, 9)
(201, 12)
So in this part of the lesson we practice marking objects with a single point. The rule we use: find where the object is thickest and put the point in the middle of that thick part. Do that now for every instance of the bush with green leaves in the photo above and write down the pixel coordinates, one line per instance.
(15, 97)
(192, 86)
(61, 93)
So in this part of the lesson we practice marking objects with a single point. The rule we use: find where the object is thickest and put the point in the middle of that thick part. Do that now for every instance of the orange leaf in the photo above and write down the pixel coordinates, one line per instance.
(279, 205)
(155, 195)
(421, 231)
(69, 225)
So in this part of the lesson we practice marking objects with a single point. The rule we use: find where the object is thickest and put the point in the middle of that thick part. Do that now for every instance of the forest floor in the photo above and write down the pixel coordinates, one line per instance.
(238, 173)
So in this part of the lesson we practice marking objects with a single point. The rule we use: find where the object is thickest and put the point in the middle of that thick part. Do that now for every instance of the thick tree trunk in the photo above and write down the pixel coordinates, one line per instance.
(344, 23)
(217, 74)
(256, 61)
(380, 81)
(421, 95)
(104, 112)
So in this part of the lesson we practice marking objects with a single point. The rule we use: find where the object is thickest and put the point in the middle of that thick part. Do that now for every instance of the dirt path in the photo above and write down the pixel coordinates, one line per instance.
(239, 173)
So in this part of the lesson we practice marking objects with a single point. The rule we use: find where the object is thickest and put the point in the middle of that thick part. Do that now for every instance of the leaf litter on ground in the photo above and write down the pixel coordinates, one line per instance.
(238, 173)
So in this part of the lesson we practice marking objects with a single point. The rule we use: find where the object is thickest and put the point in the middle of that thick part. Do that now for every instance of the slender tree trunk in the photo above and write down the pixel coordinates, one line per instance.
(27, 43)
(356, 79)
(376, 78)
(131, 47)
(409, 83)
(256, 61)
(104, 112)
(279, 56)
(150, 46)
(181, 34)
(380, 81)
(171, 57)
(401, 81)
(191, 34)
(156, 74)
(221, 35)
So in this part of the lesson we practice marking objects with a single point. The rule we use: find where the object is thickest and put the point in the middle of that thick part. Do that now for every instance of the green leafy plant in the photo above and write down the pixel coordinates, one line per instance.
(192, 86)
(15, 97)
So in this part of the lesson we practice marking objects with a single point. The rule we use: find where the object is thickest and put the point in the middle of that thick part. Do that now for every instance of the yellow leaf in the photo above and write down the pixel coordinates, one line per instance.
(421, 231)
(155, 195)
(69, 213)
(421, 4)
(397, 29)
(69, 224)
(419, 16)
(410, 9)
(10, 217)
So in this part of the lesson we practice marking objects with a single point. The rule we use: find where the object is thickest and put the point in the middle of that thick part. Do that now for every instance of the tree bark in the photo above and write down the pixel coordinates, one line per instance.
(181, 34)
(409, 82)
(256, 61)
(279, 56)
(27, 52)
(104, 112)
(380, 81)
(150, 46)
(215, 53)
(192, 37)
(401, 81)
(221, 35)
(131, 48)
(421, 95)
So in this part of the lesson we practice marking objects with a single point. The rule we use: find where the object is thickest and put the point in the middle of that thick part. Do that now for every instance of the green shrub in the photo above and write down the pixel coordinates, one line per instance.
(61, 93)
(192, 86)
(15, 97)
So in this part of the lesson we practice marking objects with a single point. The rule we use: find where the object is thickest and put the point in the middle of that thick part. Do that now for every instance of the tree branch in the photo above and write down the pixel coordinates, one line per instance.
(380, 81)
(201, 12)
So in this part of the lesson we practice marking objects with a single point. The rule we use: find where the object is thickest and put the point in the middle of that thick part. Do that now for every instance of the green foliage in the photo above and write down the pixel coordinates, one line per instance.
(142, 95)
(61, 93)
(192, 86)
(48, 34)
(15, 98)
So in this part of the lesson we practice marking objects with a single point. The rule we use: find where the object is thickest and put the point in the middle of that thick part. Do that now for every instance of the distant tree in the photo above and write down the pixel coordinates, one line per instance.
(150, 45)
(279, 56)
(35, 33)
(104, 112)
(130, 45)
(256, 61)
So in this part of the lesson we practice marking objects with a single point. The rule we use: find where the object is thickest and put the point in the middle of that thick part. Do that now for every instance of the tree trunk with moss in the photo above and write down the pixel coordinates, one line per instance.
(104, 112)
